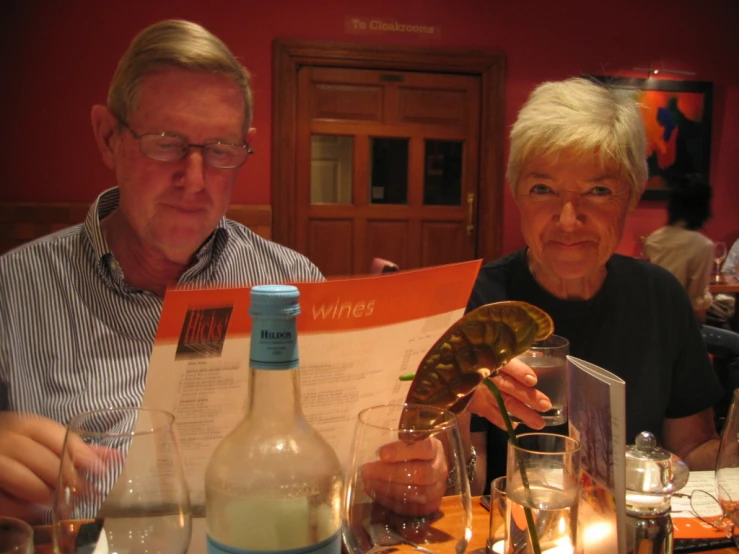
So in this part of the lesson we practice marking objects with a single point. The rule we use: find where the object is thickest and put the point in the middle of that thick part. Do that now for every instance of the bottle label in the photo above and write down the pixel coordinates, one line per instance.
(274, 344)
(331, 545)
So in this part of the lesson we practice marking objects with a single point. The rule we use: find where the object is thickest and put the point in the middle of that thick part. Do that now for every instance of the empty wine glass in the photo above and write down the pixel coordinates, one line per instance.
(387, 507)
(719, 255)
(121, 485)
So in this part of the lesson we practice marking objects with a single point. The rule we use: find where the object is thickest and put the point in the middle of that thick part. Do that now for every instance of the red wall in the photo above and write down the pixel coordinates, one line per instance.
(58, 58)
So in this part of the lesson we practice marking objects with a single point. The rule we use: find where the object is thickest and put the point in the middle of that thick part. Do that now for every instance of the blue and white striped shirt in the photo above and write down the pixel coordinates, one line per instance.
(75, 337)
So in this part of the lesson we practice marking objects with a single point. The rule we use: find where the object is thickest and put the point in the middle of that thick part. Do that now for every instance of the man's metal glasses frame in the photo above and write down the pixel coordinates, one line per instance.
(167, 147)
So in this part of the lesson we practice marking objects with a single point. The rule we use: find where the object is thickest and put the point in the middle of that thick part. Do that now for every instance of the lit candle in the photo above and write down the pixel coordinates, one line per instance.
(560, 546)
(498, 547)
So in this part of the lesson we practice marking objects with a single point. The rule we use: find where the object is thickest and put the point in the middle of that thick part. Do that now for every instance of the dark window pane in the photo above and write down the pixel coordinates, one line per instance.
(442, 181)
(388, 171)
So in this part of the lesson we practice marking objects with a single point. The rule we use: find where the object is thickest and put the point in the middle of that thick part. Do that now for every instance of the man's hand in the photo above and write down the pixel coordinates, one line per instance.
(30, 454)
(408, 479)
(515, 383)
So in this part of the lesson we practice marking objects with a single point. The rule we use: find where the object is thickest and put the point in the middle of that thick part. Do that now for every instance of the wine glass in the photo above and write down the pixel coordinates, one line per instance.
(727, 470)
(16, 536)
(719, 255)
(386, 505)
(121, 485)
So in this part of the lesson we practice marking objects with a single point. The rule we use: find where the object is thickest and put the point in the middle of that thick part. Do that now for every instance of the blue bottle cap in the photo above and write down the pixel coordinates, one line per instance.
(274, 301)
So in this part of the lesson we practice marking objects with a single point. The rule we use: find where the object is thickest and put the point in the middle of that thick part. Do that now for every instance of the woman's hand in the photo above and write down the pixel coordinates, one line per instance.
(516, 382)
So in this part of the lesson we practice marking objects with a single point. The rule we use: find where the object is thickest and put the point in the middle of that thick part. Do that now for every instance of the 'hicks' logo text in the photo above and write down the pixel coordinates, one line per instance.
(204, 332)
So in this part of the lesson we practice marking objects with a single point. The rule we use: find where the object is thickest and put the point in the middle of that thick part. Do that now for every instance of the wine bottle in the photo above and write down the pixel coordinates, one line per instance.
(274, 484)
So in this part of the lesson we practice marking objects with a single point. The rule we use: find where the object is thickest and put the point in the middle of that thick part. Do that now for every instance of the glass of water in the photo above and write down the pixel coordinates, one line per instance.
(497, 539)
(548, 359)
(543, 478)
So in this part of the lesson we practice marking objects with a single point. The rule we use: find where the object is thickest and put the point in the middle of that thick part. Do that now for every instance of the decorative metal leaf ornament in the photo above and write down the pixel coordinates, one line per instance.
(472, 349)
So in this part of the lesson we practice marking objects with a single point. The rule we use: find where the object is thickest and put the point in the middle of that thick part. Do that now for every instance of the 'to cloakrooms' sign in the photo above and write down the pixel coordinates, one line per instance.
(388, 25)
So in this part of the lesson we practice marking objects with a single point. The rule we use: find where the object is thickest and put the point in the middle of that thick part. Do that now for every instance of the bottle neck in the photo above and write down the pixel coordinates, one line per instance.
(273, 360)
(274, 394)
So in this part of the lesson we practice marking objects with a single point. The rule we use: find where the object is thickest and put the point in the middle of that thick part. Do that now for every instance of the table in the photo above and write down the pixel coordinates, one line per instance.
(480, 523)
(729, 284)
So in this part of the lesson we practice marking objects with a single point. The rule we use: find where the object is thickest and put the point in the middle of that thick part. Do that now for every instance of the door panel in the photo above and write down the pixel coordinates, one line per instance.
(330, 242)
(390, 237)
(432, 107)
(415, 166)
(358, 128)
(443, 243)
(347, 102)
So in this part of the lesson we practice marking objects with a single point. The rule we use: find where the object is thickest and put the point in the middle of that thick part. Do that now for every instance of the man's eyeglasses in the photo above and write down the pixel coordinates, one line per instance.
(707, 508)
(166, 147)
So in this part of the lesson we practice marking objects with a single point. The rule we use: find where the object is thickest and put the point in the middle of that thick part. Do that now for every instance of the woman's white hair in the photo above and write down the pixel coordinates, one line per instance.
(581, 116)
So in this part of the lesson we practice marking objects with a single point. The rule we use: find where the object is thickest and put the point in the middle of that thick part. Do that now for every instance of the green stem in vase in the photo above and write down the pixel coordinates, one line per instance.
(521, 467)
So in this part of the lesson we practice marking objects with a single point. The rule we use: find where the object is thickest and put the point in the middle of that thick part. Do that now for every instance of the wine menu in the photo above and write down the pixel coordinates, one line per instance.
(356, 338)
(597, 418)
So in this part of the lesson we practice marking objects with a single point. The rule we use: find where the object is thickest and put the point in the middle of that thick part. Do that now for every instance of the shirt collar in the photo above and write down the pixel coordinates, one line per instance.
(207, 256)
(106, 203)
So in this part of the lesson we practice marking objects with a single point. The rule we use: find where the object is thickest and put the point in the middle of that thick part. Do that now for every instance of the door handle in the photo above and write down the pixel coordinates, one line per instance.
(470, 212)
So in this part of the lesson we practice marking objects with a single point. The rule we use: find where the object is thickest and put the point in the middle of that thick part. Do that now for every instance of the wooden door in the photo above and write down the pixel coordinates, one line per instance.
(386, 166)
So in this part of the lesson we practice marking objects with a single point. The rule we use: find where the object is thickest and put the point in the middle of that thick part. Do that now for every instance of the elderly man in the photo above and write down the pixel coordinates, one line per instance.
(577, 168)
(79, 308)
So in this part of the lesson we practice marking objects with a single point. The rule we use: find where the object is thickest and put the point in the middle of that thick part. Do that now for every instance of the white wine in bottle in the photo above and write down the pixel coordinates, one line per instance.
(274, 484)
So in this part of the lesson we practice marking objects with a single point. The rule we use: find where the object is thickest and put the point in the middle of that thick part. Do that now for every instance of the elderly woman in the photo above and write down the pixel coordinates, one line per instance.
(577, 168)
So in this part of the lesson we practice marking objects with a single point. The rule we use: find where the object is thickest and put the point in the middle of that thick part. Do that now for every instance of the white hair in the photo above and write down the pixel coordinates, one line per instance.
(585, 117)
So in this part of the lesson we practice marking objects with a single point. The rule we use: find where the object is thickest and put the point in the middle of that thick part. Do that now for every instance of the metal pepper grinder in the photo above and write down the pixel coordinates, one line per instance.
(652, 476)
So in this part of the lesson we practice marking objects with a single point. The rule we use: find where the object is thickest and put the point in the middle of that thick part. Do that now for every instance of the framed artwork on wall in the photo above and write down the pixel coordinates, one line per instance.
(677, 120)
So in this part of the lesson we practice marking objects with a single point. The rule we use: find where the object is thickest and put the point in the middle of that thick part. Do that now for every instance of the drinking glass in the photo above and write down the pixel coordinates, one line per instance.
(727, 468)
(719, 255)
(548, 359)
(497, 538)
(543, 487)
(373, 523)
(121, 485)
(16, 536)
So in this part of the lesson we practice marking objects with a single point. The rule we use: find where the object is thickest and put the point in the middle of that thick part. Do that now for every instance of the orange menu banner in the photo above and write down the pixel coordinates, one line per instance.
(357, 336)
(335, 305)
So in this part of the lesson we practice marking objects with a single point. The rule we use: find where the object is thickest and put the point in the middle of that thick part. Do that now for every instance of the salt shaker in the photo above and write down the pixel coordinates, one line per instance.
(652, 476)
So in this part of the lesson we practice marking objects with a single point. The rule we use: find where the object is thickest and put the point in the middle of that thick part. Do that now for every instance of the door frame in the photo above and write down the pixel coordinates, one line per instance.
(290, 55)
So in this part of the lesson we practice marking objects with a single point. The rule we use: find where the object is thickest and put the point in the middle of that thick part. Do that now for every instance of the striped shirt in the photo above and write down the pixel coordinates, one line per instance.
(75, 337)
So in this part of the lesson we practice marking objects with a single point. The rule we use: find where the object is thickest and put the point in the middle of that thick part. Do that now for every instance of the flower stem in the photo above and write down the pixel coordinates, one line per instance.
(521, 467)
